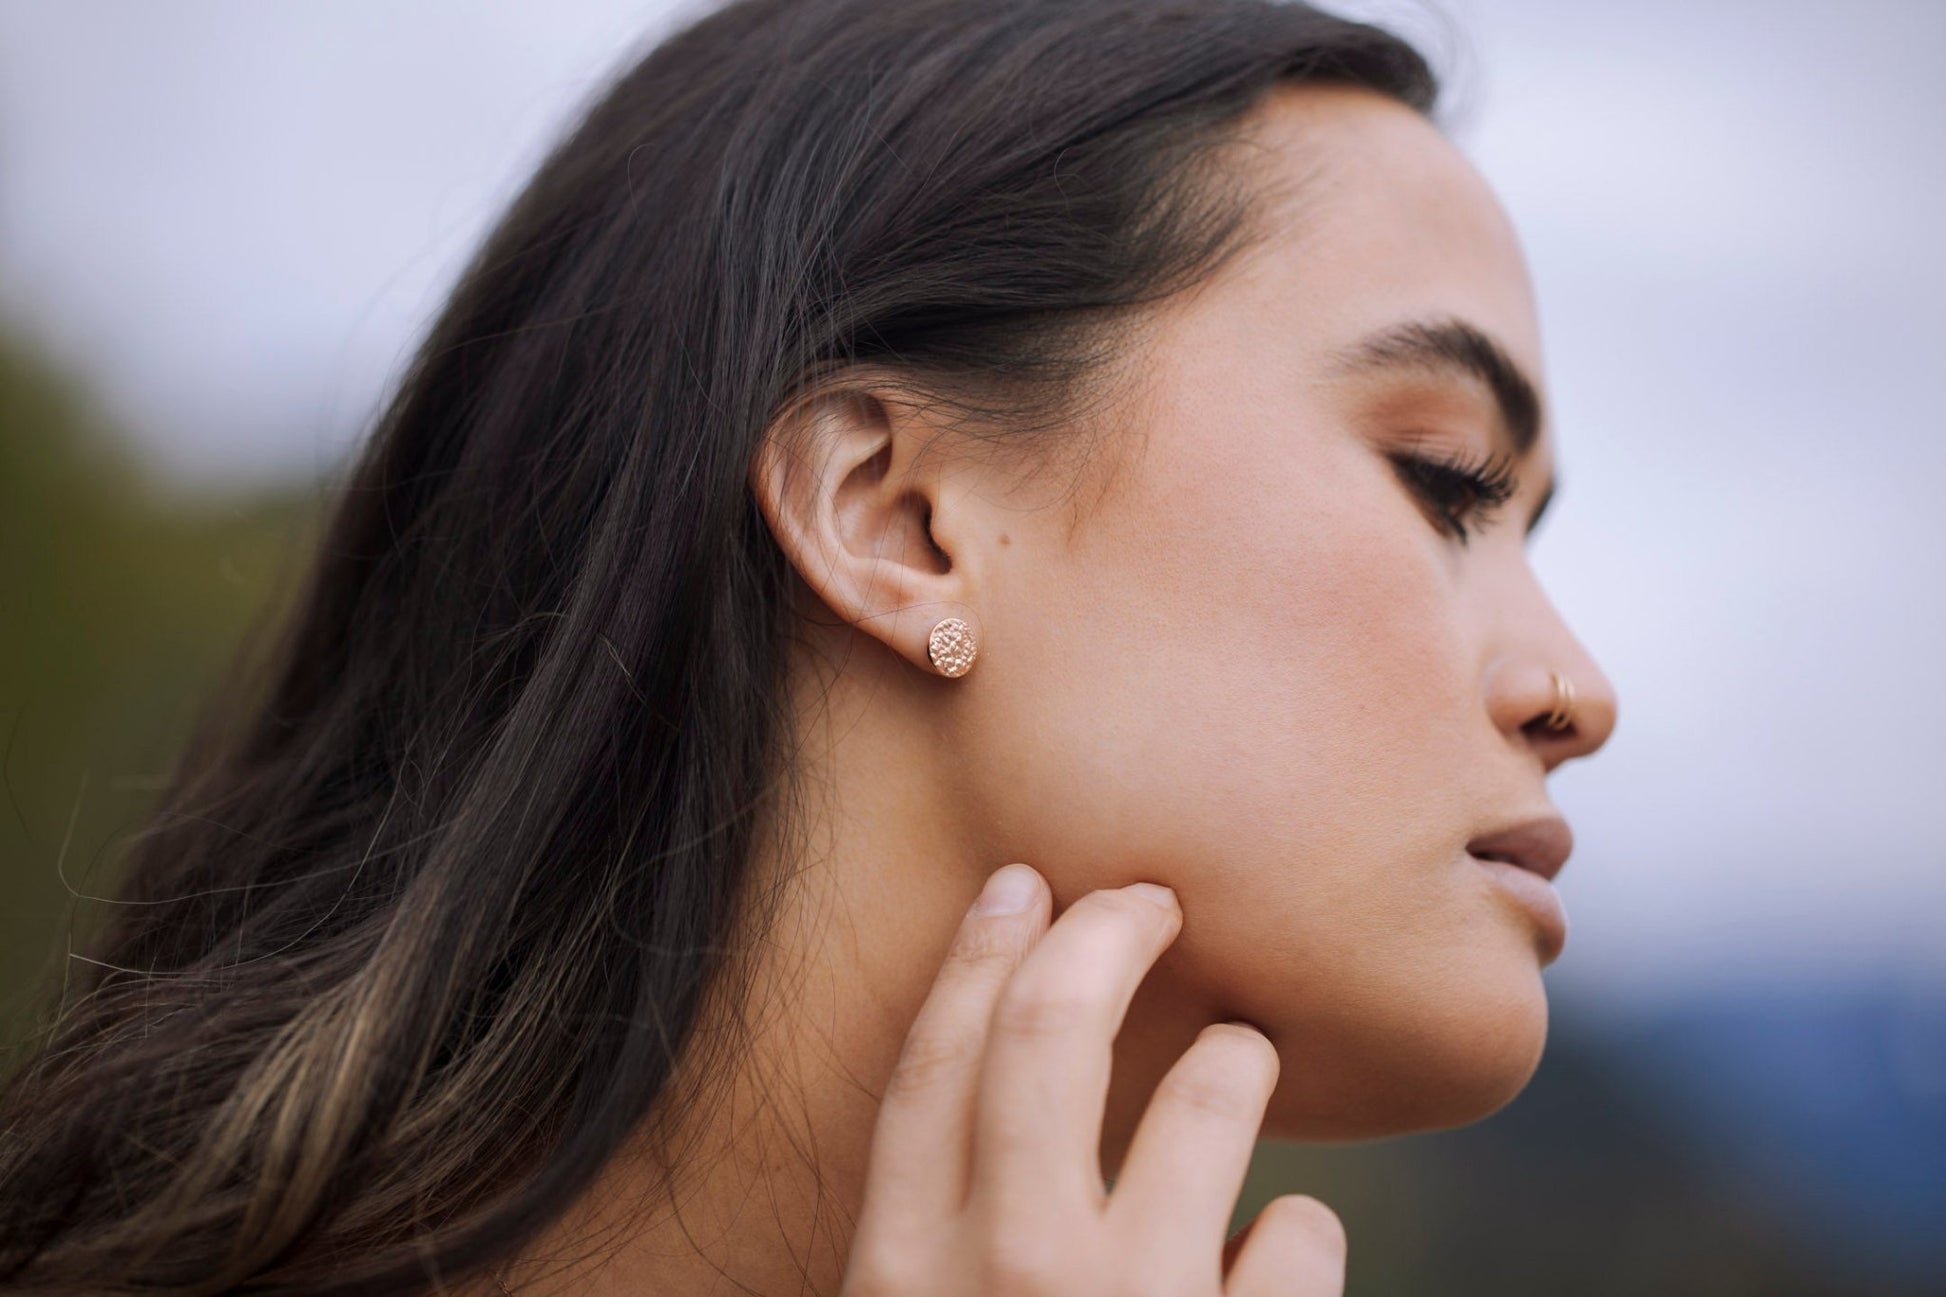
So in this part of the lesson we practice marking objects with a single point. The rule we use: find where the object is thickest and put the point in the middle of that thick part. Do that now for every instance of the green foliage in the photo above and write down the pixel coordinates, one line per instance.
(121, 606)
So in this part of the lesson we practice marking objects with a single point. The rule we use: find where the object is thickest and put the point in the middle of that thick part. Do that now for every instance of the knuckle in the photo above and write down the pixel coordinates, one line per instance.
(1128, 908)
(927, 1061)
(1244, 1047)
(1228, 1073)
(1299, 1213)
(1027, 1264)
(979, 945)
(1031, 1010)
(879, 1276)
(1210, 1091)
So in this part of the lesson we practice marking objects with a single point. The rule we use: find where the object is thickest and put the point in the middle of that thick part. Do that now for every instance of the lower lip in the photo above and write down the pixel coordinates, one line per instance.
(1537, 896)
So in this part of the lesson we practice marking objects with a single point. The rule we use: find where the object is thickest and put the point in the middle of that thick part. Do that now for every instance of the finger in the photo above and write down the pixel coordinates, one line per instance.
(1187, 1161)
(1044, 1083)
(1295, 1248)
(1233, 1245)
(922, 1141)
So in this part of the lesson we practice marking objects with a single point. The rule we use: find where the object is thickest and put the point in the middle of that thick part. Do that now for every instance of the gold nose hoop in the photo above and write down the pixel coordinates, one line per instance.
(1563, 714)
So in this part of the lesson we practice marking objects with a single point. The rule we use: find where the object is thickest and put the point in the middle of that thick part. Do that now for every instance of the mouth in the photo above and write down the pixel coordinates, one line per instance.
(1540, 845)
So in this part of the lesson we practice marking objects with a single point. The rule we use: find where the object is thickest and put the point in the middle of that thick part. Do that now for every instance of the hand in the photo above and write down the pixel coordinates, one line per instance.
(985, 1173)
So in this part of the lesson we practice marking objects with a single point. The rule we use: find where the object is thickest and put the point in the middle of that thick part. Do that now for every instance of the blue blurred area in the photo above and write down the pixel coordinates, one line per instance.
(1742, 1144)
(1829, 1106)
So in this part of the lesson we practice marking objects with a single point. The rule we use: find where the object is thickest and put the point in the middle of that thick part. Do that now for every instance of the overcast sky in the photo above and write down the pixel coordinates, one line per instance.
(236, 217)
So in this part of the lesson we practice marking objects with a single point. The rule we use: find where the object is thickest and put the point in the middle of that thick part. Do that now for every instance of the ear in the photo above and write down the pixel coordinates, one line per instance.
(850, 481)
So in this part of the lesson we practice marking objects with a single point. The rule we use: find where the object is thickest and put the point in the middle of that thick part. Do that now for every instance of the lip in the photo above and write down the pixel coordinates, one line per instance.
(1538, 899)
(1540, 845)
(1523, 859)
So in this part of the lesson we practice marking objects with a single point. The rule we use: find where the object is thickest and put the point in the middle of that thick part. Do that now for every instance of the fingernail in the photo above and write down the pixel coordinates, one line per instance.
(1163, 896)
(1010, 890)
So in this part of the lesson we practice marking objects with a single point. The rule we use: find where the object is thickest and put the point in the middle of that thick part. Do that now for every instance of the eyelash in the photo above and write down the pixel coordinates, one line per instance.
(1459, 490)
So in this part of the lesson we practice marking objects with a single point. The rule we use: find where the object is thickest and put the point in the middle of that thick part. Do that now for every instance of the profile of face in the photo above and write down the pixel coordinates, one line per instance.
(1263, 666)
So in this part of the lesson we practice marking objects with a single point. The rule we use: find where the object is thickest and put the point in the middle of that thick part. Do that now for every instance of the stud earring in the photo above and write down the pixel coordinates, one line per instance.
(951, 648)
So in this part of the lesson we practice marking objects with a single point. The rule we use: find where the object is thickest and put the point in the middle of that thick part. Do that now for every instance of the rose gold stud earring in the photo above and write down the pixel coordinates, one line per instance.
(950, 647)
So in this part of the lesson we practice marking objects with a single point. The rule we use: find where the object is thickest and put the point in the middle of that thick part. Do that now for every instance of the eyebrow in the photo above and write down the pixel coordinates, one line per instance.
(1453, 346)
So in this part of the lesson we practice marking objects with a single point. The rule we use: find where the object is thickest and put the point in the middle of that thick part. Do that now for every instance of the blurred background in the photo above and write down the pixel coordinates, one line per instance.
(223, 225)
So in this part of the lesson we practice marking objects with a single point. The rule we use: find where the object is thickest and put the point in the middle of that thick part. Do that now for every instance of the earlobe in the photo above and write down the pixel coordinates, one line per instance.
(851, 494)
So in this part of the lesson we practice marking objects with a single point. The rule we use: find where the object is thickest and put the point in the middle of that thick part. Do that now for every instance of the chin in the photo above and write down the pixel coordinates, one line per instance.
(1453, 1061)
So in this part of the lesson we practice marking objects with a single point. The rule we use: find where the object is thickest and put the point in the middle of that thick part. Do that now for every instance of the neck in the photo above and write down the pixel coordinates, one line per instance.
(757, 1190)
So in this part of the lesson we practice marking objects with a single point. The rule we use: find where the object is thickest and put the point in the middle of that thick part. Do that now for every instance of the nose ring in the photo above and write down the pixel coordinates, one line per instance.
(1563, 714)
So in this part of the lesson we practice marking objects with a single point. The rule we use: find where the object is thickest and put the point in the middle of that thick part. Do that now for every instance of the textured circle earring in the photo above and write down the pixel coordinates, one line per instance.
(950, 647)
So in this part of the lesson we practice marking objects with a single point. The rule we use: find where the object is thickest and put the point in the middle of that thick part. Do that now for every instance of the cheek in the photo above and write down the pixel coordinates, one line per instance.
(1253, 687)
(1257, 666)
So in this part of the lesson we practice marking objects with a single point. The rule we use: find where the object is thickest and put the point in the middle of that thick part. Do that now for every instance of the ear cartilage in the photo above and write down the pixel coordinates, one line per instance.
(950, 647)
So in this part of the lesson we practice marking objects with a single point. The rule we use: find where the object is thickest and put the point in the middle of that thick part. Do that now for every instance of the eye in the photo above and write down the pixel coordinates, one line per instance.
(1459, 492)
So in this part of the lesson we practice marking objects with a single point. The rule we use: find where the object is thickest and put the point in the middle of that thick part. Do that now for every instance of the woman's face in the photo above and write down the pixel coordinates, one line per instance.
(1257, 667)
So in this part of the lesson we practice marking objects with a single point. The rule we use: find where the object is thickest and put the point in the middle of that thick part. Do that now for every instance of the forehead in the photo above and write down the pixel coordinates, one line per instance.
(1368, 216)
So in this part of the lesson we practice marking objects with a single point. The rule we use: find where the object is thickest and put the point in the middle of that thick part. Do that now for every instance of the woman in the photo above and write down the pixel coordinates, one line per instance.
(883, 443)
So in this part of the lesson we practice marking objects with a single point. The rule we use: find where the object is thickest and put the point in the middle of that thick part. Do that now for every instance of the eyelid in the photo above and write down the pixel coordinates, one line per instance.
(1488, 482)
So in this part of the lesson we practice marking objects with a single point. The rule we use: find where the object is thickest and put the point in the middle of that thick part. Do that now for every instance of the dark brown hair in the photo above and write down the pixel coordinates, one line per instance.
(432, 910)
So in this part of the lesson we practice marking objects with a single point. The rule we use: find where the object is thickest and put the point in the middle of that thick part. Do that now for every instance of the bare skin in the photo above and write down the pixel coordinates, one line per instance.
(1244, 661)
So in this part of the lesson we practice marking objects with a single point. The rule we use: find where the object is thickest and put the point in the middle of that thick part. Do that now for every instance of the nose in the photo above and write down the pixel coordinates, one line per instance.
(1523, 697)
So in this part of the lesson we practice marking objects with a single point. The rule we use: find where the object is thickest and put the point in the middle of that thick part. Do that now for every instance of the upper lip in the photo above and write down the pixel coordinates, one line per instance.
(1540, 845)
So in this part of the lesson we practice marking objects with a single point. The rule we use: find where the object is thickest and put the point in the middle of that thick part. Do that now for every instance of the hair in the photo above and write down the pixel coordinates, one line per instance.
(440, 897)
